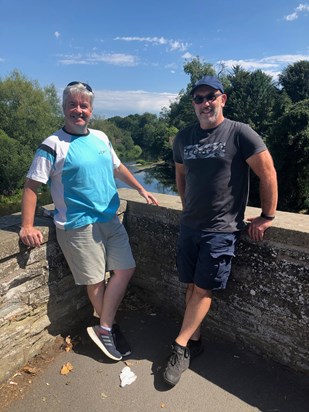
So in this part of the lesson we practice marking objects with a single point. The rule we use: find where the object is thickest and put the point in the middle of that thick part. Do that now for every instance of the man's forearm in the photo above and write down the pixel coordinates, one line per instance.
(181, 188)
(28, 207)
(269, 194)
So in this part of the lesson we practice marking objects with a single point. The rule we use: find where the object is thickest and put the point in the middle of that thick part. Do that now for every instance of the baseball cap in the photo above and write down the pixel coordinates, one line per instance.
(208, 81)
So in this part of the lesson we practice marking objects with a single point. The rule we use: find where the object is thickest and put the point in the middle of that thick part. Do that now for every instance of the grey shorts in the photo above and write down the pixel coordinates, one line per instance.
(94, 249)
(205, 258)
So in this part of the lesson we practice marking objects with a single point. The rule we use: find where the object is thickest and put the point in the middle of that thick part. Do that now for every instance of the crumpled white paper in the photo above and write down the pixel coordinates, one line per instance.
(127, 376)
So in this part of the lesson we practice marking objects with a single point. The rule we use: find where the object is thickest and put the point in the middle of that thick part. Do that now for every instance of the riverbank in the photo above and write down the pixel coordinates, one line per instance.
(12, 204)
(157, 177)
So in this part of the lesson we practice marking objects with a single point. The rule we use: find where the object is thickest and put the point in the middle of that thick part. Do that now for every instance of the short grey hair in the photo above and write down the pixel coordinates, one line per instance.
(77, 88)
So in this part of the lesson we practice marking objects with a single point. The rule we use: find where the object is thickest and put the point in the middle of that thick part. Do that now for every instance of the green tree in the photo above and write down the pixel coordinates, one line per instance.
(251, 98)
(29, 113)
(295, 80)
(289, 145)
(15, 160)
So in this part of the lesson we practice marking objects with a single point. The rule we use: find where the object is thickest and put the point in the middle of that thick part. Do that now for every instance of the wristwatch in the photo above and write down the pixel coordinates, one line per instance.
(267, 217)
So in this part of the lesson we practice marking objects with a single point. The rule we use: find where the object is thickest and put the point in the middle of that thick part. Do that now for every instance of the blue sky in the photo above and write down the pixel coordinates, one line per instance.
(132, 52)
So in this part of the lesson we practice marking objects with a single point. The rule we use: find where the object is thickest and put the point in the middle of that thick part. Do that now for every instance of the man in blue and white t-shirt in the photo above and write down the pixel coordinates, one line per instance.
(80, 166)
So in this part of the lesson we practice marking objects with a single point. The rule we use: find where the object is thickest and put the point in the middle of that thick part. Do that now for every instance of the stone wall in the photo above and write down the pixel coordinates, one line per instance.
(38, 298)
(265, 306)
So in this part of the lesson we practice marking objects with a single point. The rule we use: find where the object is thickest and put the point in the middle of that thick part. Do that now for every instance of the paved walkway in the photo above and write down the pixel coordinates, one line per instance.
(224, 379)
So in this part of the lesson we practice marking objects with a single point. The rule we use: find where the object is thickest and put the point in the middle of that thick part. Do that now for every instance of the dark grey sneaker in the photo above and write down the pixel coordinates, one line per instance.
(196, 348)
(120, 341)
(105, 341)
(178, 362)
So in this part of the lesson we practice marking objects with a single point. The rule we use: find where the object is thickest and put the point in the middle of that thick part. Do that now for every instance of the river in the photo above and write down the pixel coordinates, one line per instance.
(157, 178)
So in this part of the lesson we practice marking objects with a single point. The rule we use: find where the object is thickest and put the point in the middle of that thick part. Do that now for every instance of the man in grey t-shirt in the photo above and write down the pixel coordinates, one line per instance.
(213, 158)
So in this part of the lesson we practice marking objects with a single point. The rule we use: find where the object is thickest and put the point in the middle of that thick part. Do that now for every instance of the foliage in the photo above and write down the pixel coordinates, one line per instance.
(29, 113)
(295, 80)
(290, 149)
(278, 112)
(15, 160)
(251, 98)
(152, 134)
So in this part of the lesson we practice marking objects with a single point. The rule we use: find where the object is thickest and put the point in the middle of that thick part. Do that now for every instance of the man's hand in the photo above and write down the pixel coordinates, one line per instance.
(257, 227)
(31, 236)
(150, 199)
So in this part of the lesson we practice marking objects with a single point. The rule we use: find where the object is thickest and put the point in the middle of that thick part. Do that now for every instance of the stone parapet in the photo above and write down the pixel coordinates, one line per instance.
(265, 306)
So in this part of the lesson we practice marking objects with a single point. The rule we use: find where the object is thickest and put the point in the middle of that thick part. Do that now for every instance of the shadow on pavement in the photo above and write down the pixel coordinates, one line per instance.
(225, 378)
(257, 381)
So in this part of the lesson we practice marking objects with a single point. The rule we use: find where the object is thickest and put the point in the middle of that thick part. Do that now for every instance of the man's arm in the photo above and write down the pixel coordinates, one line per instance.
(126, 176)
(181, 181)
(263, 166)
(28, 234)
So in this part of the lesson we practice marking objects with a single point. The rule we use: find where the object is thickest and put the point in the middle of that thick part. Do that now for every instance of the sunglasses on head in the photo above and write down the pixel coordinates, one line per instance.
(210, 97)
(84, 84)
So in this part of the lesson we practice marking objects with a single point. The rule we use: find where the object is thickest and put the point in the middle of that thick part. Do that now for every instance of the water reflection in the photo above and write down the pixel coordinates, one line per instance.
(159, 178)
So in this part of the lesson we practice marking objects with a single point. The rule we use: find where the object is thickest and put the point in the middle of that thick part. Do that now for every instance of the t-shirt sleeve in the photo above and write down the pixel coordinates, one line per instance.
(178, 149)
(250, 142)
(42, 164)
(115, 159)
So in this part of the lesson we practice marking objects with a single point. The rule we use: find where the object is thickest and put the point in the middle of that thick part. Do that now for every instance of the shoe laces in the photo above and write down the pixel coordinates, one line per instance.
(176, 356)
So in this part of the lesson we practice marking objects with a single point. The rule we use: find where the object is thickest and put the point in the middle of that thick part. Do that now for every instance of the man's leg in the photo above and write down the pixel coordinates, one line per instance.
(96, 294)
(197, 334)
(114, 294)
(106, 300)
(198, 302)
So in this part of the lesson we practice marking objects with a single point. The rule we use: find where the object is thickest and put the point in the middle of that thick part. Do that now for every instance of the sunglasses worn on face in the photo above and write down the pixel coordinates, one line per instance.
(84, 84)
(210, 97)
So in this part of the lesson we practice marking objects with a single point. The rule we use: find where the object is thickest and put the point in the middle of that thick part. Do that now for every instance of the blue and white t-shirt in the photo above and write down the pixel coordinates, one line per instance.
(80, 173)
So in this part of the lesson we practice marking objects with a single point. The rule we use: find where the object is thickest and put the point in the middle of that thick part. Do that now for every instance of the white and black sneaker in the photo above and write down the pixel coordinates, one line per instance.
(105, 341)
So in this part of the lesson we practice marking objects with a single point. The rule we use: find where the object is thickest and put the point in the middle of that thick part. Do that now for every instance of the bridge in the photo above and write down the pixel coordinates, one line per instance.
(264, 310)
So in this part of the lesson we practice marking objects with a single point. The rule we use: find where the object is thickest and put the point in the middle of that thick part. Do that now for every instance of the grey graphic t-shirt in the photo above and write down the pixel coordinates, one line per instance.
(217, 175)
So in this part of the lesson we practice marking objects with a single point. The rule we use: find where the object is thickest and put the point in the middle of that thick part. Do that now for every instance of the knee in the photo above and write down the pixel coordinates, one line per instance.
(95, 287)
(201, 293)
(125, 274)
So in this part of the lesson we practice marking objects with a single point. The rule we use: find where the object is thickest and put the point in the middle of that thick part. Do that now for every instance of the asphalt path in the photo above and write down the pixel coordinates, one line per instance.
(225, 378)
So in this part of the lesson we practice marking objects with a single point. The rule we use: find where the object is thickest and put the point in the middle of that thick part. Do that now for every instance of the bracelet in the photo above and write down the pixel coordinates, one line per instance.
(267, 217)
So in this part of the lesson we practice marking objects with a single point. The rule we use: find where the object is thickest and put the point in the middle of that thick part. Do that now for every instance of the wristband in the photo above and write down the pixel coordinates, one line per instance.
(267, 217)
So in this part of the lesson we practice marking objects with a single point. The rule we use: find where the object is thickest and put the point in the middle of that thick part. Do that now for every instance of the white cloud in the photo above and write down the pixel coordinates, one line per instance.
(110, 103)
(272, 65)
(248, 64)
(187, 55)
(116, 59)
(271, 62)
(157, 41)
(302, 7)
(57, 34)
(287, 58)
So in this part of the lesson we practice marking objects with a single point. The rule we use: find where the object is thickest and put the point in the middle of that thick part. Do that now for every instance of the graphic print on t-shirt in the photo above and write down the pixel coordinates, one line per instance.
(204, 150)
